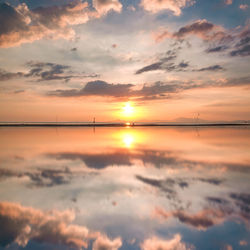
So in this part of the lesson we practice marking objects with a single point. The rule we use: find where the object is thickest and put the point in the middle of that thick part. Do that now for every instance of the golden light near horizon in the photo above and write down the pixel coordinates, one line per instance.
(128, 110)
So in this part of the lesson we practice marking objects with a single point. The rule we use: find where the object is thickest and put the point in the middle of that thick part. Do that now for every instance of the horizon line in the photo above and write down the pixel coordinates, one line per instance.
(119, 124)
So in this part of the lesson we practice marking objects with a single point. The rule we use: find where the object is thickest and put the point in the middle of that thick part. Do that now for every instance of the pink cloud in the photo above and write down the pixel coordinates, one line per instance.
(22, 25)
(200, 28)
(201, 220)
(104, 6)
(243, 6)
(54, 227)
(155, 243)
(174, 6)
(228, 2)
(103, 242)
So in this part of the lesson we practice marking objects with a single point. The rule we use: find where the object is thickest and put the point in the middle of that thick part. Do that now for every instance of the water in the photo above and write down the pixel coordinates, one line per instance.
(125, 188)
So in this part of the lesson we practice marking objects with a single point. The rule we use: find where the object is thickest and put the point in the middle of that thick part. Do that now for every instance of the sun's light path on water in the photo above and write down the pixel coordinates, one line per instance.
(128, 140)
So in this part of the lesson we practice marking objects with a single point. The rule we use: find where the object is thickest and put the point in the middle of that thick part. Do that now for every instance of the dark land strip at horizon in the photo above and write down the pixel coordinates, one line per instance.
(68, 124)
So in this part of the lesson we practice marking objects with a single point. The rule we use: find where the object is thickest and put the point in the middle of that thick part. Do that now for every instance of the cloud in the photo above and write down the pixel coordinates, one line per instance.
(21, 25)
(103, 242)
(214, 181)
(48, 71)
(221, 39)
(104, 6)
(217, 49)
(217, 200)
(151, 67)
(182, 66)
(154, 91)
(45, 71)
(96, 88)
(21, 224)
(211, 68)
(241, 51)
(5, 75)
(155, 243)
(228, 2)
(200, 28)
(243, 6)
(243, 243)
(98, 161)
(200, 220)
(174, 6)
(242, 200)
(164, 63)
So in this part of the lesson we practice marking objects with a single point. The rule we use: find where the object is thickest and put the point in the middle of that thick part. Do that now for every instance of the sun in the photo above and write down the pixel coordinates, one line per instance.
(128, 109)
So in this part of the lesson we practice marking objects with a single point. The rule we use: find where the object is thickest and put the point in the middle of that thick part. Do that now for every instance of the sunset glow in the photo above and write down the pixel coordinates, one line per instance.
(128, 140)
(128, 110)
(124, 125)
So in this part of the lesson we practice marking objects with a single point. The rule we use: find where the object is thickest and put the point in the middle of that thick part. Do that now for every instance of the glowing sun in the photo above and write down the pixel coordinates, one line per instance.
(128, 109)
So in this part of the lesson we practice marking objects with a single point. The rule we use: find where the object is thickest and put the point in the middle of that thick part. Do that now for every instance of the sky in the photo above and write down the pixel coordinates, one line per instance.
(117, 60)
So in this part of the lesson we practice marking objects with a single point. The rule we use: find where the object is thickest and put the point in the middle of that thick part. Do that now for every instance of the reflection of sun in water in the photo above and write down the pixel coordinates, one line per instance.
(128, 140)
(128, 109)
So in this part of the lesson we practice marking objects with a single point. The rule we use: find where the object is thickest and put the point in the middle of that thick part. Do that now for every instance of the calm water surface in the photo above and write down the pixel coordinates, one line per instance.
(125, 188)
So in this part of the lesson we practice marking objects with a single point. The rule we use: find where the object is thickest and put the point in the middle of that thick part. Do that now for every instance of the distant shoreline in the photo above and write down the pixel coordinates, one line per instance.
(65, 124)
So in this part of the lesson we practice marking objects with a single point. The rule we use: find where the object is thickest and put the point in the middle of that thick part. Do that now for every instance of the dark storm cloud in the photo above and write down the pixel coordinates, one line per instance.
(5, 75)
(96, 88)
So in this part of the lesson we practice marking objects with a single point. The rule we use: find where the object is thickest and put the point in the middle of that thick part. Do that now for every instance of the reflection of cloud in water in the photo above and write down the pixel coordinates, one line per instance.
(23, 224)
(158, 159)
